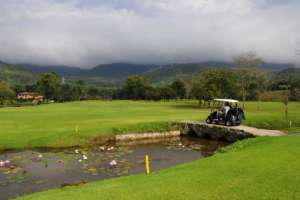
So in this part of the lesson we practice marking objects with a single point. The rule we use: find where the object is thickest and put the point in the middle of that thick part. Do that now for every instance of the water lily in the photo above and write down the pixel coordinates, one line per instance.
(113, 163)
(110, 148)
(2, 163)
(84, 157)
(7, 161)
(79, 160)
(40, 156)
(76, 151)
(102, 148)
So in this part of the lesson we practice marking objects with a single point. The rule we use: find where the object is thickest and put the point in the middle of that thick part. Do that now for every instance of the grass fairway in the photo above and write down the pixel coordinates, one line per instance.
(55, 125)
(259, 168)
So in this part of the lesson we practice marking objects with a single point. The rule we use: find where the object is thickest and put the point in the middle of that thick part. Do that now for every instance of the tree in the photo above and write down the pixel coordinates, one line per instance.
(179, 87)
(295, 94)
(153, 93)
(6, 93)
(92, 93)
(289, 77)
(135, 87)
(248, 72)
(31, 88)
(247, 60)
(66, 93)
(214, 83)
(49, 86)
(78, 90)
(167, 93)
(19, 88)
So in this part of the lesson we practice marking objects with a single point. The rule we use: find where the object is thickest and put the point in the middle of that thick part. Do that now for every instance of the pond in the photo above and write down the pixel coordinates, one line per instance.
(28, 171)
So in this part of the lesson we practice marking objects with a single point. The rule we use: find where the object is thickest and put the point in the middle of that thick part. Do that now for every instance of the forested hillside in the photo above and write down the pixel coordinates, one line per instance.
(15, 75)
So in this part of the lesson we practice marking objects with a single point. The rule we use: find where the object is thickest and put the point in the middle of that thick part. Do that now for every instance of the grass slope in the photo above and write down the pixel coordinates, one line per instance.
(260, 168)
(54, 125)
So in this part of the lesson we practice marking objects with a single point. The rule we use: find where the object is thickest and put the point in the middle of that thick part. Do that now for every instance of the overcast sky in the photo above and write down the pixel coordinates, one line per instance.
(90, 32)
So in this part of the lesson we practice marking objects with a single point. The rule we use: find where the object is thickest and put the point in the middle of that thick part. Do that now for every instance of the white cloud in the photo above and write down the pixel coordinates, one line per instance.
(73, 32)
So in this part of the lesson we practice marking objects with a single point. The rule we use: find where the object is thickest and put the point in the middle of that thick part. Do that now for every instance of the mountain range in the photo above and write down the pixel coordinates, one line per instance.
(115, 73)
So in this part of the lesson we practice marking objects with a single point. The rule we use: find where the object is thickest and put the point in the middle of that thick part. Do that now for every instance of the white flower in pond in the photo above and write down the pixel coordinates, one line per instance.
(183, 146)
(110, 148)
(113, 163)
(7, 161)
(79, 160)
(40, 156)
(180, 144)
(76, 151)
(84, 157)
(102, 148)
(2, 163)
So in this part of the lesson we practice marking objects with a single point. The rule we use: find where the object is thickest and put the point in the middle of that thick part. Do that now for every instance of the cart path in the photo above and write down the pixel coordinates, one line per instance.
(252, 130)
(259, 132)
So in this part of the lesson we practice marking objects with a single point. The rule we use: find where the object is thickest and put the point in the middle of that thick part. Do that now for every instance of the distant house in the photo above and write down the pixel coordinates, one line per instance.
(30, 96)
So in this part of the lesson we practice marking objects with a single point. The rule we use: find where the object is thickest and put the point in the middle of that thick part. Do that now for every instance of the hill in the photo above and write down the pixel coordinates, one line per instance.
(120, 70)
(171, 72)
(60, 70)
(115, 73)
(101, 75)
(290, 74)
(15, 75)
(113, 70)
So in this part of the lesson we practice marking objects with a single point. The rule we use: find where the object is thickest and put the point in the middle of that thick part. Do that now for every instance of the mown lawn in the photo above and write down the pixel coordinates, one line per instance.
(259, 168)
(55, 125)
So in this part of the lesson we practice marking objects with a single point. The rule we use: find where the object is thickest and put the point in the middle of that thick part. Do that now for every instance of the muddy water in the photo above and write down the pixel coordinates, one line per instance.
(38, 170)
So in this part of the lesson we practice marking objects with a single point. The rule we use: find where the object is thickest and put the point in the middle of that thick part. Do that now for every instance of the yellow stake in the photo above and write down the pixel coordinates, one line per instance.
(147, 164)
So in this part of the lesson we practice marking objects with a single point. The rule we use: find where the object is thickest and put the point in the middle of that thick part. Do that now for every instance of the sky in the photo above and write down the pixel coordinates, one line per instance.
(86, 33)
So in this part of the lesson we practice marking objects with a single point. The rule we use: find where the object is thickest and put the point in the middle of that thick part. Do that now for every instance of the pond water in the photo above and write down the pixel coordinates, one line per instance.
(29, 171)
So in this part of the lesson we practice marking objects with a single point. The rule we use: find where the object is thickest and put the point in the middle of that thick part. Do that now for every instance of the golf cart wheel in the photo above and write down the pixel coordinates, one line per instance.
(228, 123)
(208, 121)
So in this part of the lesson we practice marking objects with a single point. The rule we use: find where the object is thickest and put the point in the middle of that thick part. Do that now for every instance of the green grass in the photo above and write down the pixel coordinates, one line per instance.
(54, 125)
(259, 168)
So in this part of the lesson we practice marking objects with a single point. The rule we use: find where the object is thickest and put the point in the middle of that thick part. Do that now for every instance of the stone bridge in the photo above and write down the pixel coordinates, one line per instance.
(224, 133)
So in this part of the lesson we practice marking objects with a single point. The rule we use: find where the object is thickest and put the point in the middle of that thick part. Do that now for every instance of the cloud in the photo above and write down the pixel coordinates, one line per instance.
(86, 33)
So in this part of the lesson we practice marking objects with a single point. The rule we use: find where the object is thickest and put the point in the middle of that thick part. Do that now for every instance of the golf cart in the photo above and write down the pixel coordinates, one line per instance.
(231, 113)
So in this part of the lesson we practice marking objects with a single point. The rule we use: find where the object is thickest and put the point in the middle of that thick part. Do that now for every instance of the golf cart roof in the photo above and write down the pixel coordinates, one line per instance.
(227, 100)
